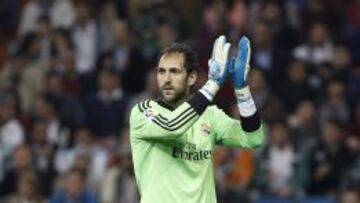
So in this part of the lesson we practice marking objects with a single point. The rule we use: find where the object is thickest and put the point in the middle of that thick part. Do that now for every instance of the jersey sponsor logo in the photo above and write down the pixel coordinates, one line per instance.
(189, 152)
(179, 153)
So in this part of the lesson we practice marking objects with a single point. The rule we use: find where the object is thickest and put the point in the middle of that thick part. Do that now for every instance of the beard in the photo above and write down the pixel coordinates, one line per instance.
(172, 95)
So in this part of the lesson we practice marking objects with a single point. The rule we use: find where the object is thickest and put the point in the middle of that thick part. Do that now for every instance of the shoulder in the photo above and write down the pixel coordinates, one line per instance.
(213, 109)
(215, 115)
(142, 107)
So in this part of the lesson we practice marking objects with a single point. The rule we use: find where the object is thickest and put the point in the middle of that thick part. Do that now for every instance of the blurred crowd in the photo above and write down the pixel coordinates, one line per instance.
(70, 71)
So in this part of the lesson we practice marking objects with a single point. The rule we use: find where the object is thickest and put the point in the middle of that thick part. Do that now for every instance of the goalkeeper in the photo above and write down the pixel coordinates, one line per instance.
(173, 138)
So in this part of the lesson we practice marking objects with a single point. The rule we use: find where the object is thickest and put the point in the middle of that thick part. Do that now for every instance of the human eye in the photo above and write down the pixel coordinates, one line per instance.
(175, 71)
(161, 70)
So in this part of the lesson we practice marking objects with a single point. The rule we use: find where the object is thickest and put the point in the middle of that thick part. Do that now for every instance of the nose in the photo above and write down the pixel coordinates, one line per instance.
(167, 77)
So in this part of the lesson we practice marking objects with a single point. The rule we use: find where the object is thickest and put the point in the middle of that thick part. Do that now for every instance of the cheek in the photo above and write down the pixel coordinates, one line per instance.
(159, 81)
(180, 82)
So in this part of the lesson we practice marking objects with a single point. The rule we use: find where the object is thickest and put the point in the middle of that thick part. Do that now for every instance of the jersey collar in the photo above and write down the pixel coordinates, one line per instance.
(165, 105)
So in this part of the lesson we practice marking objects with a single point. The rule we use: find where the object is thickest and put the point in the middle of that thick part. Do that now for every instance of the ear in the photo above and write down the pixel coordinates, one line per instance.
(192, 78)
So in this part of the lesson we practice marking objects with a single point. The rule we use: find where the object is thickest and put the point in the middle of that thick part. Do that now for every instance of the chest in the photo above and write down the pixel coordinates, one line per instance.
(197, 139)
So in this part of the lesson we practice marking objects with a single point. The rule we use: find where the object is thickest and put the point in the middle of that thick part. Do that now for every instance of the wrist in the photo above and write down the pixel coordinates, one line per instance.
(243, 93)
(210, 89)
(240, 86)
(245, 102)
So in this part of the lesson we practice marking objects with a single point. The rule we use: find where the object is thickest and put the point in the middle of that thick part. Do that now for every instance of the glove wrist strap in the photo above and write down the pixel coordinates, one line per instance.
(209, 90)
(245, 102)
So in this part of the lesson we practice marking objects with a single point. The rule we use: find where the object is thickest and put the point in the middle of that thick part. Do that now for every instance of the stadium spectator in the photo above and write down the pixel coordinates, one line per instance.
(295, 87)
(350, 196)
(107, 17)
(30, 13)
(304, 126)
(335, 107)
(119, 185)
(43, 153)
(150, 91)
(86, 39)
(328, 160)
(341, 63)
(32, 73)
(27, 190)
(268, 104)
(62, 14)
(44, 33)
(94, 157)
(70, 110)
(284, 35)
(46, 109)
(354, 85)
(21, 162)
(127, 59)
(61, 47)
(267, 56)
(12, 132)
(211, 26)
(105, 109)
(318, 48)
(74, 189)
(276, 163)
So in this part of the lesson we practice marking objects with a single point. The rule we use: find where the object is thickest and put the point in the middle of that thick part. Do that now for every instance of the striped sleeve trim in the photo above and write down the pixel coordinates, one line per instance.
(170, 125)
(177, 125)
(144, 105)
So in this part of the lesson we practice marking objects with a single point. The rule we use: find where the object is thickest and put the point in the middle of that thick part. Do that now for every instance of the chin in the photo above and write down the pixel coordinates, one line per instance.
(168, 99)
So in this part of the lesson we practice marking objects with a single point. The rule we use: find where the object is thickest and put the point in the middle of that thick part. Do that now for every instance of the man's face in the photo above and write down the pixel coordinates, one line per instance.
(73, 184)
(173, 81)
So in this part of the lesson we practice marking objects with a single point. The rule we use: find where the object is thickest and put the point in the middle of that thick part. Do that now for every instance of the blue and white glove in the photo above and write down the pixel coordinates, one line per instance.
(239, 69)
(240, 65)
(217, 68)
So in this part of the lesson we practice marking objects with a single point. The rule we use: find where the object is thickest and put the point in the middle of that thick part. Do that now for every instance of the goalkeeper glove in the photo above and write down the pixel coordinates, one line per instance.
(240, 65)
(217, 68)
(239, 69)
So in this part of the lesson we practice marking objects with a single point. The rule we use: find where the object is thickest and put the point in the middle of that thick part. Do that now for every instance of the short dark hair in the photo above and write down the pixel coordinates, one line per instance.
(191, 62)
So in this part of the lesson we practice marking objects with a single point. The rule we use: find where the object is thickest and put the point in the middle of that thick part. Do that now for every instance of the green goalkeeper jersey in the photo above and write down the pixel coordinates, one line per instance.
(173, 150)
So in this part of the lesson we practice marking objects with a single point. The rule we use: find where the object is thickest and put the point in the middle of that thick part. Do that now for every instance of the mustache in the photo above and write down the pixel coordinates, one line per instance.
(167, 86)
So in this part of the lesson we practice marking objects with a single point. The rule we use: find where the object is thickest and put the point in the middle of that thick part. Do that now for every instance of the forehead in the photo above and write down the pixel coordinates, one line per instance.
(171, 60)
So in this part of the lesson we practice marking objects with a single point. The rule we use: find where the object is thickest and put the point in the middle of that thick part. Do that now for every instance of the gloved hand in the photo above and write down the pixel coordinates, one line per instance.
(239, 66)
(217, 62)
(238, 71)
(218, 68)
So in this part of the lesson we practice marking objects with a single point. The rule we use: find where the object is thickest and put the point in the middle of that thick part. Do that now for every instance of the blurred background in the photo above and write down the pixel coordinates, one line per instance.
(70, 71)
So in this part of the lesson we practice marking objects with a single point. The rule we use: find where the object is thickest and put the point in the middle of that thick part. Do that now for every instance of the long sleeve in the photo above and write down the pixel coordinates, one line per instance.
(229, 132)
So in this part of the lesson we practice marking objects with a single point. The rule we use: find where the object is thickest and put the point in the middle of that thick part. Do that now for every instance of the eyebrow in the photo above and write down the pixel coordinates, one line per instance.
(173, 67)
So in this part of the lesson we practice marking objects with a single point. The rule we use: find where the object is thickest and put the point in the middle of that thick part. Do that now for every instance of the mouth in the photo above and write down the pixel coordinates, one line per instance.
(168, 91)
(168, 88)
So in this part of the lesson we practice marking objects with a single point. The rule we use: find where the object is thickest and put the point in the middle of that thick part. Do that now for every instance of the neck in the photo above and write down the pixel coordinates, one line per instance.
(172, 105)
